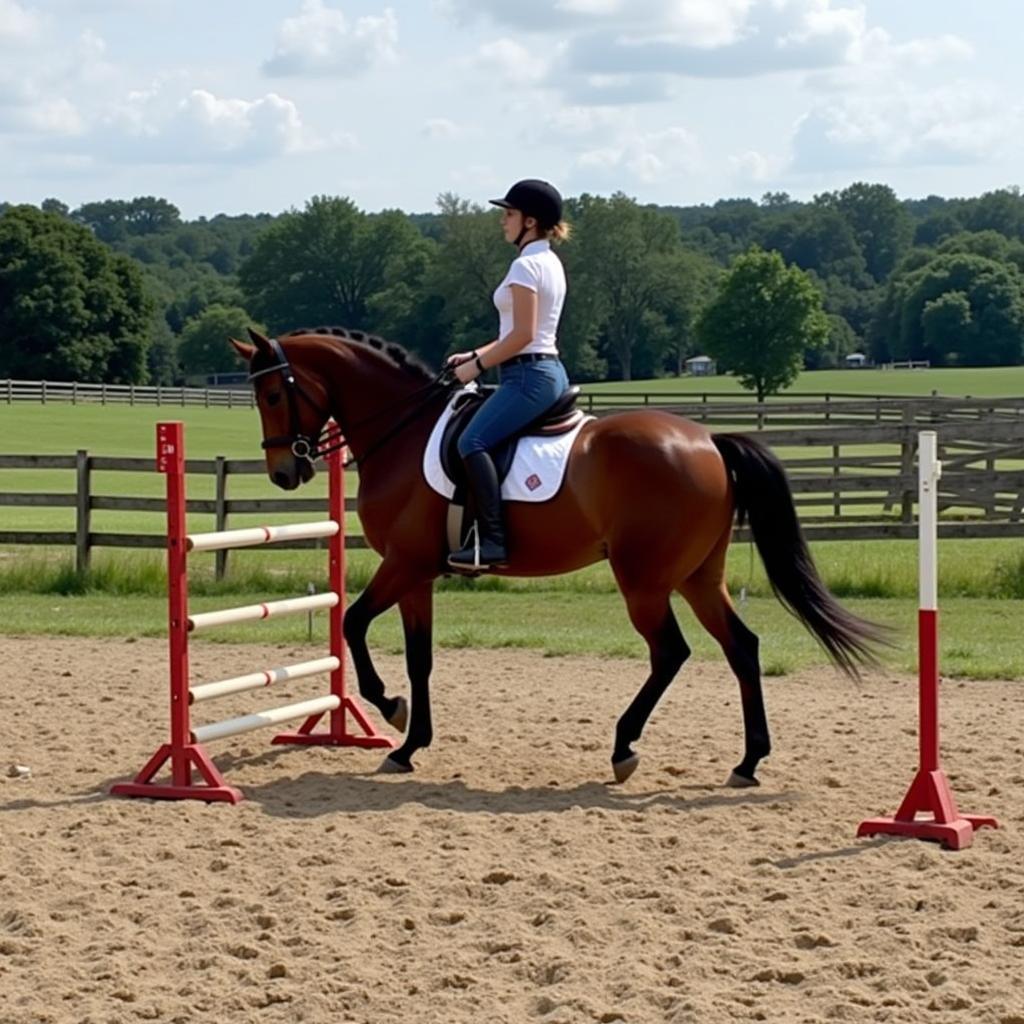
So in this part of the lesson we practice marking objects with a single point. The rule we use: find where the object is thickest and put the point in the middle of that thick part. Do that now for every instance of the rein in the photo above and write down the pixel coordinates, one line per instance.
(331, 439)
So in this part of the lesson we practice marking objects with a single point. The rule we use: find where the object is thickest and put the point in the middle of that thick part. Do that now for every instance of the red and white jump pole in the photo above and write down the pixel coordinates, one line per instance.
(184, 752)
(929, 794)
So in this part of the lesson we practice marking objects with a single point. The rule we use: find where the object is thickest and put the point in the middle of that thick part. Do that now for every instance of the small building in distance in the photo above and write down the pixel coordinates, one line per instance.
(701, 366)
(856, 361)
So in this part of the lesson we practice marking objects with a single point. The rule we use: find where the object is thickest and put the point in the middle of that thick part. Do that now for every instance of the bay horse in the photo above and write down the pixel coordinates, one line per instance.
(653, 493)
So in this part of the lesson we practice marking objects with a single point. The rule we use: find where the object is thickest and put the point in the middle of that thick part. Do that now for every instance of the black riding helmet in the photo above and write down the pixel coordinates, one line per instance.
(534, 198)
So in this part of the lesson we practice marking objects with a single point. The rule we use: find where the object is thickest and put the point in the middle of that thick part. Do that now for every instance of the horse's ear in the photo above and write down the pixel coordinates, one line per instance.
(245, 351)
(259, 340)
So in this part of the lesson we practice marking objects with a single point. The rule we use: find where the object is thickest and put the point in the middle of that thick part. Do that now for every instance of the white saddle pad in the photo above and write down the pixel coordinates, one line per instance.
(537, 467)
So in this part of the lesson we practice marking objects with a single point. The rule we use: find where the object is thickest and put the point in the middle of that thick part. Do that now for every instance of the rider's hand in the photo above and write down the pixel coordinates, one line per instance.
(456, 358)
(465, 372)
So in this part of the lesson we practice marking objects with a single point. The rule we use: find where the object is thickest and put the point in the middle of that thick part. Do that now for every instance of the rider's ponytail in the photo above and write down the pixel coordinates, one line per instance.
(560, 232)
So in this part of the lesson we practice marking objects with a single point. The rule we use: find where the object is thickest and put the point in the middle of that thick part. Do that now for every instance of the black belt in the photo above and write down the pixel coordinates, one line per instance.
(530, 357)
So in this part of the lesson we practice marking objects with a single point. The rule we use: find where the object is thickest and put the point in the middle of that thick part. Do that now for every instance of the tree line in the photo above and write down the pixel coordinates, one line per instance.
(128, 291)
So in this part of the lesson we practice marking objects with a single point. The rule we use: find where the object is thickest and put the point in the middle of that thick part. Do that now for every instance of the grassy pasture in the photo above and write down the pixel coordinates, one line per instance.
(980, 382)
(575, 614)
(980, 638)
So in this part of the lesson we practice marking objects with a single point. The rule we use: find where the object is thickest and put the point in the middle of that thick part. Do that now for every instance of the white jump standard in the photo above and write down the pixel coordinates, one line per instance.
(929, 809)
(184, 753)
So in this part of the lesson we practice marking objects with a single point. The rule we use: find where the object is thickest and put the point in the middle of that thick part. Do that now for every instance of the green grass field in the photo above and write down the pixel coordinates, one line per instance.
(982, 382)
(979, 580)
(121, 430)
(980, 638)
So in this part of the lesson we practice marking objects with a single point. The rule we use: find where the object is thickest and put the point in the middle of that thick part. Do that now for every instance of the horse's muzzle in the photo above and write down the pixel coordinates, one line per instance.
(288, 477)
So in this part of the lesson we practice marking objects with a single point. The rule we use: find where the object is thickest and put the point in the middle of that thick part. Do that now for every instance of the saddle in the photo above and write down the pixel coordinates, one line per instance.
(562, 417)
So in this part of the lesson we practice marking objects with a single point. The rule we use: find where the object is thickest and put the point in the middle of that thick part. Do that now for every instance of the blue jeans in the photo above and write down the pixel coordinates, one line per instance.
(527, 390)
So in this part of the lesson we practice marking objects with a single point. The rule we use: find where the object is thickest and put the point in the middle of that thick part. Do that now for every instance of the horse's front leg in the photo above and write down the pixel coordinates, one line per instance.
(417, 621)
(389, 583)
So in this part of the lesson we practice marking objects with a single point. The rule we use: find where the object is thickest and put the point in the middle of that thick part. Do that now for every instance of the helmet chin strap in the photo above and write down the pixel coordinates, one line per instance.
(518, 243)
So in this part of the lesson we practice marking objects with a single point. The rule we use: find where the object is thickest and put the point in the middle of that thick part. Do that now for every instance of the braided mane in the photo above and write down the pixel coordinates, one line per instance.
(394, 353)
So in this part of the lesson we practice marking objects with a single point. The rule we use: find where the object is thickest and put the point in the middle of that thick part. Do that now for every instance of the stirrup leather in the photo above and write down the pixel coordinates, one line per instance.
(473, 543)
(474, 532)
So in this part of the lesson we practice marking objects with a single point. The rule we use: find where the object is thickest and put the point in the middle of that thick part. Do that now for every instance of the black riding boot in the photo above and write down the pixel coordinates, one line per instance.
(483, 482)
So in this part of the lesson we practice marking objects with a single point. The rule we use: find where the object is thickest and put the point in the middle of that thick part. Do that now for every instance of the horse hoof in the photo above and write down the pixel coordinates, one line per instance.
(624, 768)
(392, 767)
(737, 781)
(400, 719)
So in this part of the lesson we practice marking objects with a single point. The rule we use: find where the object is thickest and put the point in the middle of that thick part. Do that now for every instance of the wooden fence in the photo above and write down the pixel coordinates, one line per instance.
(792, 411)
(849, 482)
(85, 502)
(736, 409)
(42, 392)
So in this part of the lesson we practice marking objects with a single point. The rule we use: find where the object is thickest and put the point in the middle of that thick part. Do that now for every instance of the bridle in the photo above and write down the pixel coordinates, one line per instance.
(302, 445)
(331, 439)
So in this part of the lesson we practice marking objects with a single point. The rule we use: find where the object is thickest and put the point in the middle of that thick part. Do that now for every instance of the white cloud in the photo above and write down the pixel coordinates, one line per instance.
(16, 22)
(14, 90)
(321, 41)
(645, 158)
(601, 8)
(704, 22)
(440, 129)
(876, 47)
(56, 117)
(782, 35)
(613, 90)
(512, 61)
(31, 115)
(90, 62)
(753, 167)
(480, 179)
(578, 122)
(900, 125)
(44, 92)
(624, 42)
(160, 127)
(26, 109)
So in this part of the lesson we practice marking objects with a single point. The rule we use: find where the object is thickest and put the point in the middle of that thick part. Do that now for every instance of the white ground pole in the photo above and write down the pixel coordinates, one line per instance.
(257, 680)
(268, 610)
(273, 716)
(253, 536)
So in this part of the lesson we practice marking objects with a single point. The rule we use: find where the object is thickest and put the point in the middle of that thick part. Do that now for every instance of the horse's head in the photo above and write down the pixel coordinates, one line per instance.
(292, 405)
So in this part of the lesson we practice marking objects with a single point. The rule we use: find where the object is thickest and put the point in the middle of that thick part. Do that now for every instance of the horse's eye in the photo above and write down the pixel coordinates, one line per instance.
(273, 398)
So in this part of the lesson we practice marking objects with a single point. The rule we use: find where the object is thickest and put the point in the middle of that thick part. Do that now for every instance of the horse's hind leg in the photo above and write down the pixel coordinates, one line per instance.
(707, 595)
(652, 617)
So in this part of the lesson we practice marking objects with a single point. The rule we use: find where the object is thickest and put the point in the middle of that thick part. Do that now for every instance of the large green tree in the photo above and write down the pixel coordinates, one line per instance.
(817, 238)
(955, 308)
(204, 348)
(113, 220)
(880, 223)
(763, 318)
(471, 259)
(325, 264)
(627, 259)
(70, 308)
(689, 285)
(1001, 210)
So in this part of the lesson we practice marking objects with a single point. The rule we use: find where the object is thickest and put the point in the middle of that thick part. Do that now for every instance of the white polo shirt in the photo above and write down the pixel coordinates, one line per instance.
(539, 269)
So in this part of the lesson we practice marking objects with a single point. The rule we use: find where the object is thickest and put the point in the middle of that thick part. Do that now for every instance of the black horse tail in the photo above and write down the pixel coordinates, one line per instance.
(762, 496)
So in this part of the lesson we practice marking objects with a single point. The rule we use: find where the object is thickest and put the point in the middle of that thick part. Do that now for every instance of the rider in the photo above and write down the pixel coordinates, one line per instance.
(529, 303)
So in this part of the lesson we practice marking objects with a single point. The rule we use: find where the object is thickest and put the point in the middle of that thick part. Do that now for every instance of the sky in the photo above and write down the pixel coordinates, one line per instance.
(245, 106)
